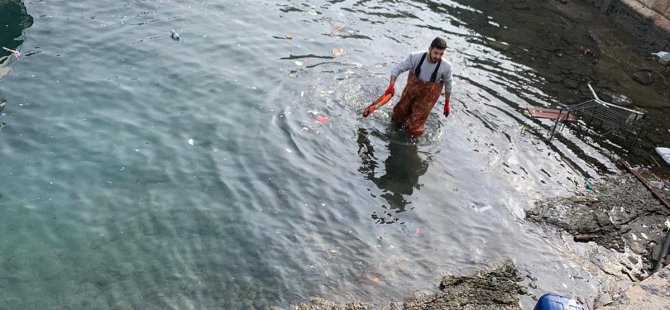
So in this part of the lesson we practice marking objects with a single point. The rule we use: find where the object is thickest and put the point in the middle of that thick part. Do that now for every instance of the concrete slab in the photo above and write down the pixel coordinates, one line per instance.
(651, 294)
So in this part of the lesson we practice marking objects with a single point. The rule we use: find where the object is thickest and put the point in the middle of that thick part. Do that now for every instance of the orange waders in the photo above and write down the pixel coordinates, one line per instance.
(417, 100)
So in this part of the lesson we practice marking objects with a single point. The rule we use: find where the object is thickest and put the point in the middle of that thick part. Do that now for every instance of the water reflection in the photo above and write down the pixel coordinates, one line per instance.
(14, 19)
(402, 169)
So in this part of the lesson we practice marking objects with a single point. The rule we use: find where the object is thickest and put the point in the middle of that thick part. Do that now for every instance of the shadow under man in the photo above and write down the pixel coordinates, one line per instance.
(402, 168)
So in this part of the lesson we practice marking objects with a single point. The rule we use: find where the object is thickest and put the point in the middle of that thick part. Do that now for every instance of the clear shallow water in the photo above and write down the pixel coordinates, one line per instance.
(139, 171)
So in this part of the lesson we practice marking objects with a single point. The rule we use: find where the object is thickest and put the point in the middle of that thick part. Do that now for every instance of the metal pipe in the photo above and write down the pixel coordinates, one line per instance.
(553, 129)
(593, 92)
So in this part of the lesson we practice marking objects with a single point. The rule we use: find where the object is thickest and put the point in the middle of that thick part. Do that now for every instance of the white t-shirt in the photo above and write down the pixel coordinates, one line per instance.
(427, 68)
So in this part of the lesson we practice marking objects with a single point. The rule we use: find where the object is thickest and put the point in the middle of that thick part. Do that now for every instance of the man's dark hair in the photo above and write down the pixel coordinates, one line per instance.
(438, 43)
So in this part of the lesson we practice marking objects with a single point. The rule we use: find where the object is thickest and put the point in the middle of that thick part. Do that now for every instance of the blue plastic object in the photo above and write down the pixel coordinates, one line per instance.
(556, 302)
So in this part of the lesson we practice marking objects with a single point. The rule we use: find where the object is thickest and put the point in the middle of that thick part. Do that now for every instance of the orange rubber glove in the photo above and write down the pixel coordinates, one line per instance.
(447, 109)
(390, 90)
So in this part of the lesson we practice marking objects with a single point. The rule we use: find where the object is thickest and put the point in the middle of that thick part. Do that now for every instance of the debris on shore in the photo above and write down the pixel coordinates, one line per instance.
(497, 288)
(619, 213)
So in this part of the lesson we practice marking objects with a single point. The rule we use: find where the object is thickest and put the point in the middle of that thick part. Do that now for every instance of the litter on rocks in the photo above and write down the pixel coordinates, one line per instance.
(663, 57)
(661, 54)
(664, 152)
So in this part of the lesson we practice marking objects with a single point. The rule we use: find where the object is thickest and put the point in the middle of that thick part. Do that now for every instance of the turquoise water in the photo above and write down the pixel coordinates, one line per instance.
(142, 172)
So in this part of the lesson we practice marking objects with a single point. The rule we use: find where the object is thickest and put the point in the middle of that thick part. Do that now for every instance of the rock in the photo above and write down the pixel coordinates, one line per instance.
(552, 77)
(643, 77)
(316, 303)
(627, 264)
(656, 252)
(522, 7)
(633, 260)
(569, 83)
(603, 300)
(502, 46)
(665, 59)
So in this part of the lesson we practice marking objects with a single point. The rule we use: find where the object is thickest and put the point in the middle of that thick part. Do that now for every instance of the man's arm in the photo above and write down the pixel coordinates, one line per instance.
(396, 71)
(405, 65)
(447, 92)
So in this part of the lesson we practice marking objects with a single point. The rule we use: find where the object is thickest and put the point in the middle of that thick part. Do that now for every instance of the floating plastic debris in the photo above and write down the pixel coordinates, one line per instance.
(174, 35)
(190, 141)
(484, 209)
(15, 53)
(289, 37)
(338, 51)
(322, 119)
(298, 63)
(589, 186)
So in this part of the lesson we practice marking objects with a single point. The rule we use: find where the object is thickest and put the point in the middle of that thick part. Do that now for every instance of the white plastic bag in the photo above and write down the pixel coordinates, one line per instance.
(664, 152)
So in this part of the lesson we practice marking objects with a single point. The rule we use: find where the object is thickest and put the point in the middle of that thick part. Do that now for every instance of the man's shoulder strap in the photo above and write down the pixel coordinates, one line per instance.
(417, 70)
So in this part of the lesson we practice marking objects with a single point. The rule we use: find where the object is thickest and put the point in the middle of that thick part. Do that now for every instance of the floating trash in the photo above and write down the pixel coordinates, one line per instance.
(589, 186)
(338, 51)
(190, 141)
(175, 36)
(15, 53)
(484, 209)
(298, 63)
(289, 37)
(322, 119)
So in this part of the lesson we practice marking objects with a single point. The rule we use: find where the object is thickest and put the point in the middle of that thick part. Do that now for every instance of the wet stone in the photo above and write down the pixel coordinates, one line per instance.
(603, 300)
(633, 259)
(637, 247)
(643, 77)
(553, 77)
(569, 83)
(502, 46)
(497, 288)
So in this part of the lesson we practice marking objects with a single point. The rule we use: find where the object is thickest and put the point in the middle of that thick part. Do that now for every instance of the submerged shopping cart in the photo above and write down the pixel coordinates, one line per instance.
(610, 119)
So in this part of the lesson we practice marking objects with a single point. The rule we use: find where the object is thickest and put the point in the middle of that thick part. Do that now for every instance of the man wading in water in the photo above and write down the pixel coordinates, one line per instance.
(430, 73)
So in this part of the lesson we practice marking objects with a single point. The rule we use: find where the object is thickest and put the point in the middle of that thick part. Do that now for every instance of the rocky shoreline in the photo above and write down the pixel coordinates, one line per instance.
(618, 213)
(497, 288)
